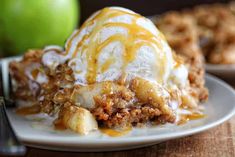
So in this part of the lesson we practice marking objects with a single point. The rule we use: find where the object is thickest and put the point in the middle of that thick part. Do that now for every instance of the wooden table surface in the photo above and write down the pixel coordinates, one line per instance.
(216, 142)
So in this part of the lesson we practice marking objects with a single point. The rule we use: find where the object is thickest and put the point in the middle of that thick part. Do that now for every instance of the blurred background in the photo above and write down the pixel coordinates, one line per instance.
(143, 7)
(32, 24)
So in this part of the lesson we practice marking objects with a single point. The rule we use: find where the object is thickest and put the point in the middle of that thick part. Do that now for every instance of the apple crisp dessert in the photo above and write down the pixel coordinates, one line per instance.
(116, 71)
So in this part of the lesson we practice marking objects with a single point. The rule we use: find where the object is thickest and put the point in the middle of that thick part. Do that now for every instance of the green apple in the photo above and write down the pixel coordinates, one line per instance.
(27, 24)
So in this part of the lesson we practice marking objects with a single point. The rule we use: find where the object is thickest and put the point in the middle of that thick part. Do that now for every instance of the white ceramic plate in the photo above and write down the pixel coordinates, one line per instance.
(223, 71)
(38, 132)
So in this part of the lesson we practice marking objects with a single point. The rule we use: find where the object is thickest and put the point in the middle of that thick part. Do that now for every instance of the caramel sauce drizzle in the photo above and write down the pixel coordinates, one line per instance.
(59, 125)
(184, 118)
(115, 133)
(131, 46)
(107, 64)
(29, 110)
(35, 73)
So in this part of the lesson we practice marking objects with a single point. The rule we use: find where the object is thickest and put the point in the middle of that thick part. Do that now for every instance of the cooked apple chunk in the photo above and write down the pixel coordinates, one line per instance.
(77, 119)
(153, 94)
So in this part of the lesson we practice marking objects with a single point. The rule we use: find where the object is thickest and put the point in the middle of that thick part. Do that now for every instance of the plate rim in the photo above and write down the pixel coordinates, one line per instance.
(142, 139)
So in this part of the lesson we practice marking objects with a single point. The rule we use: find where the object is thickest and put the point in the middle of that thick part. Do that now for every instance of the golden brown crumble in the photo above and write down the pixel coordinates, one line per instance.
(207, 29)
(112, 107)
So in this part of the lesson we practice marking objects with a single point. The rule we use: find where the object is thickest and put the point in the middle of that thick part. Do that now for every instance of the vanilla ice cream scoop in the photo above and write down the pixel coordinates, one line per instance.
(116, 42)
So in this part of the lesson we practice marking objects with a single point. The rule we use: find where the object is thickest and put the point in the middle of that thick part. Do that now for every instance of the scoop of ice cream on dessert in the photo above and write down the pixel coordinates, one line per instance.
(116, 42)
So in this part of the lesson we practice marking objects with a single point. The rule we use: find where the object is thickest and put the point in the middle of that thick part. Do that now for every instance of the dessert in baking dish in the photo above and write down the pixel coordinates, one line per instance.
(116, 71)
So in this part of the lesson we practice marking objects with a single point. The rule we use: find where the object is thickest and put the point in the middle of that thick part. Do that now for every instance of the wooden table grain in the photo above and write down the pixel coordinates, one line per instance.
(216, 142)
